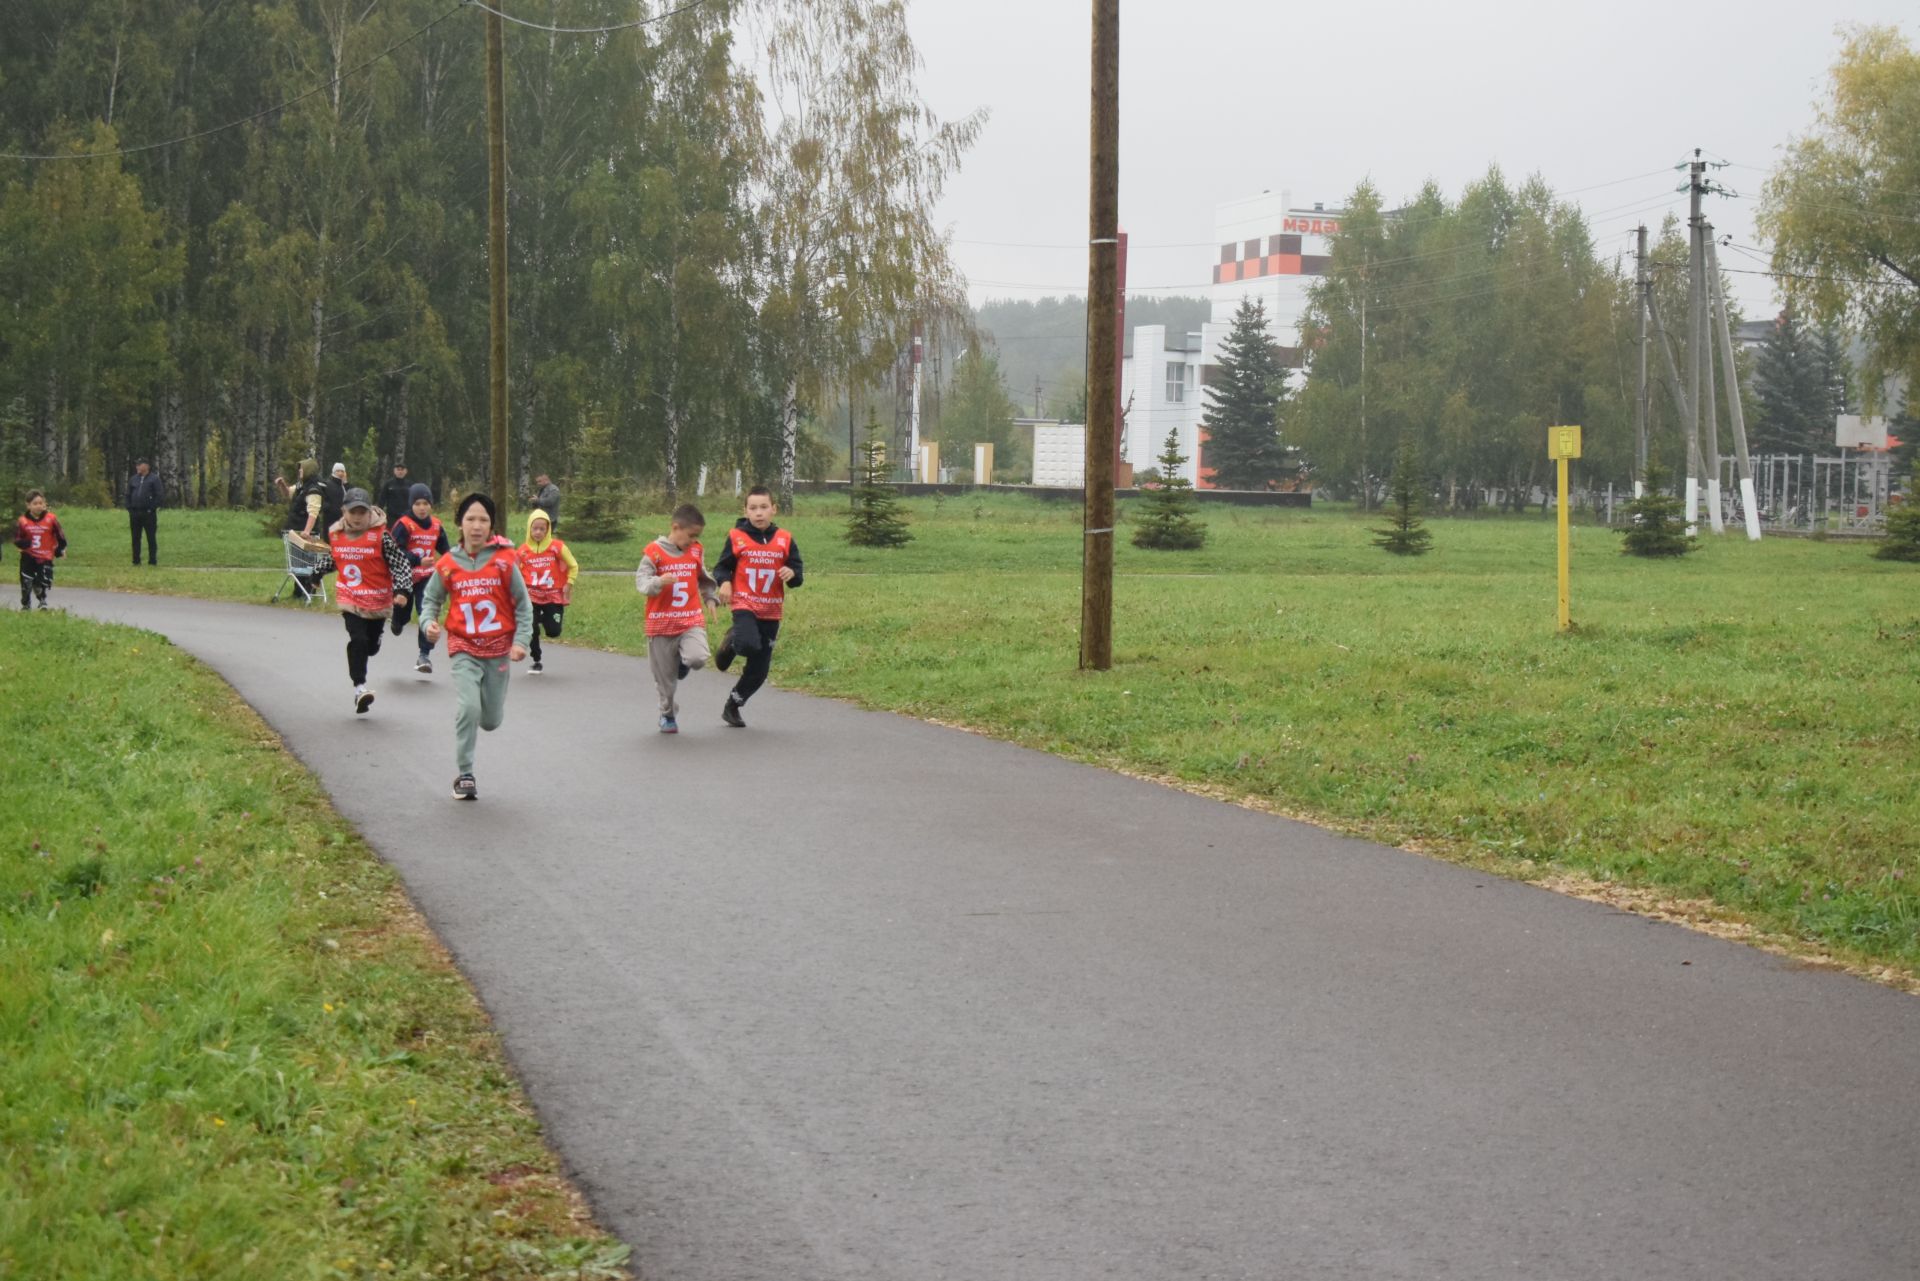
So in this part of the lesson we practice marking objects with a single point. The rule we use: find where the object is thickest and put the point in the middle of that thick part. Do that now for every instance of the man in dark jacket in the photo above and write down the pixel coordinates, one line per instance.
(396, 495)
(143, 506)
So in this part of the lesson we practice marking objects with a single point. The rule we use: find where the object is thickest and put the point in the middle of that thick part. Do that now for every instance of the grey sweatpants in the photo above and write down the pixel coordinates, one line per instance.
(480, 691)
(666, 653)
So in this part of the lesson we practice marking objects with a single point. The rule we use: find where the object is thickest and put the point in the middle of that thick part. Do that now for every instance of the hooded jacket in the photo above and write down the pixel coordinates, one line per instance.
(648, 582)
(435, 602)
(399, 565)
(540, 545)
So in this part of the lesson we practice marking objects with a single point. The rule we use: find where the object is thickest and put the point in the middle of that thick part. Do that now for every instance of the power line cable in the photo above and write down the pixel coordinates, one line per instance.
(586, 31)
(258, 115)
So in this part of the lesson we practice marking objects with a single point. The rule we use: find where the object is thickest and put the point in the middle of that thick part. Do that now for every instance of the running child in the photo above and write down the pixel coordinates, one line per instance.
(480, 588)
(674, 579)
(425, 540)
(375, 578)
(41, 541)
(760, 563)
(549, 568)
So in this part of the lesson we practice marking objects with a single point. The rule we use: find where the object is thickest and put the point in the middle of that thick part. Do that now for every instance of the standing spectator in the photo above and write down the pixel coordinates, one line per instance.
(334, 498)
(306, 500)
(143, 506)
(396, 496)
(547, 499)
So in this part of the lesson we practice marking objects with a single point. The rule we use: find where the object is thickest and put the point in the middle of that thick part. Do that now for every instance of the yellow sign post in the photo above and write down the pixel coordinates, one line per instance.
(1563, 443)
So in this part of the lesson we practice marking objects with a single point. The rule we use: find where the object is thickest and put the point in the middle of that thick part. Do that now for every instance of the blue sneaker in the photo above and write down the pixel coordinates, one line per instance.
(668, 725)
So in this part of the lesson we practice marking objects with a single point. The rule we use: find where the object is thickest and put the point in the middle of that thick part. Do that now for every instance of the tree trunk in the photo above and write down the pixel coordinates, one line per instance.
(400, 421)
(789, 443)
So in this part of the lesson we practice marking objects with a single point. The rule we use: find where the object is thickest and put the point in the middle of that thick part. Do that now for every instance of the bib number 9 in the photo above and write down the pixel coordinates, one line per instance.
(489, 617)
(350, 575)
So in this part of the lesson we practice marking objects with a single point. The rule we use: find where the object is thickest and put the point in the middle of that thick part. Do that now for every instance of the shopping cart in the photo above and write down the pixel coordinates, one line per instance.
(303, 571)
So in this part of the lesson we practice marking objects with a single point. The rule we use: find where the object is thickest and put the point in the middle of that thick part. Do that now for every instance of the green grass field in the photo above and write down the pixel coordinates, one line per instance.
(1737, 728)
(228, 1050)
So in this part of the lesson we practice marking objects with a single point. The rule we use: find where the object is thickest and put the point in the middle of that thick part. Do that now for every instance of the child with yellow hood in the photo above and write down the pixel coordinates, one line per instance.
(549, 568)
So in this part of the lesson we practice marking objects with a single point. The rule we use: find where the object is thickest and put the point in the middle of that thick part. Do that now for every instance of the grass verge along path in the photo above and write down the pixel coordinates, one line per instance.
(228, 1047)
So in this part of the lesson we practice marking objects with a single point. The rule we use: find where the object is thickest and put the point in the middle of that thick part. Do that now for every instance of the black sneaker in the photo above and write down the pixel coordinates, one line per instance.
(464, 788)
(536, 669)
(362, 700)
(684, 669)
(395, 626)
(730, 713)
(723, 657)
(423, 664)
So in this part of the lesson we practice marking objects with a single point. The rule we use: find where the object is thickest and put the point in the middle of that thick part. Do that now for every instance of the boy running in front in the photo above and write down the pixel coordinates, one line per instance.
(674, 579)
(374, 576)
(489, 622)
(424, 539)
(549, 568)
(38, 535)
(760, 563)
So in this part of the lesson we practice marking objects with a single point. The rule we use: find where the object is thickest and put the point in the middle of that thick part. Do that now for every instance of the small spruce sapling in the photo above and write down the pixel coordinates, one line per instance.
(1903, 526)
(1406, 534)
(877, 519)
(1655, 524)
(1167, 521)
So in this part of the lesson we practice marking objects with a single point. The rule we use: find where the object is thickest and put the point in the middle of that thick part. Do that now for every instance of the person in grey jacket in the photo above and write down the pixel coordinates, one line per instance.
(547, 499)
(144, 495)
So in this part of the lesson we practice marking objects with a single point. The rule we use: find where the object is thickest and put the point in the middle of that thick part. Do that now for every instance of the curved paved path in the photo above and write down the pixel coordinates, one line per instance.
(848, 996)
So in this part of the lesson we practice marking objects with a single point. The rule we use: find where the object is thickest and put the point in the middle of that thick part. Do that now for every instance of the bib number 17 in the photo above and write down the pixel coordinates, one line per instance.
(761, 581)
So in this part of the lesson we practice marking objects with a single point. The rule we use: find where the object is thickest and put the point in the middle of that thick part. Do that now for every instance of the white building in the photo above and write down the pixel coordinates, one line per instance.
(1271, 253)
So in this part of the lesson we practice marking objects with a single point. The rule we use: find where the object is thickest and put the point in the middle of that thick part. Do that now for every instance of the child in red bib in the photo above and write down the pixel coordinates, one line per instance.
(373, 577)
(760, 563)
(489, 620)
(424, 539)
(549, 568)
(41, 541)
(673, 577)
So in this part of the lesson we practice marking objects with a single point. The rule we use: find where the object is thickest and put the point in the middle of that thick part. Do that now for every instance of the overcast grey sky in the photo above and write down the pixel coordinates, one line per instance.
(1225, 98)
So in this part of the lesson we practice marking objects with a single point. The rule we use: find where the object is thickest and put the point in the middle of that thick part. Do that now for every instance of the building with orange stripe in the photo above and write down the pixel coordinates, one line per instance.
(1270, 252)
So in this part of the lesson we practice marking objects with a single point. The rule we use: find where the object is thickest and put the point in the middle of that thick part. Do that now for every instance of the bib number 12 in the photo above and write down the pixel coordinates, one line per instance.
(489, 618)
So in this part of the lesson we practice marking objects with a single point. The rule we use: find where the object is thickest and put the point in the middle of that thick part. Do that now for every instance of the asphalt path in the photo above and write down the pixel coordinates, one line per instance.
(847, 996)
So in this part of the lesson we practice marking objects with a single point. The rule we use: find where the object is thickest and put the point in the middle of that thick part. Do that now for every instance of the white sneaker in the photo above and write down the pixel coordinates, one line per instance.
(362, 700)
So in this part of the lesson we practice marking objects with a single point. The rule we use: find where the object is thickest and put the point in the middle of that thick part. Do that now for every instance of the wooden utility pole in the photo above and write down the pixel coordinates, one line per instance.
(497, 257)
(1642, 284)
(1696, 334)
(1103, 388)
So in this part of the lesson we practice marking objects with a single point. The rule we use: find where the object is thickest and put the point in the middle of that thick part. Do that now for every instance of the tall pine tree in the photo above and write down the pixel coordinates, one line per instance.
(1167, 521)
(1242, 419)
(1794, 387)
